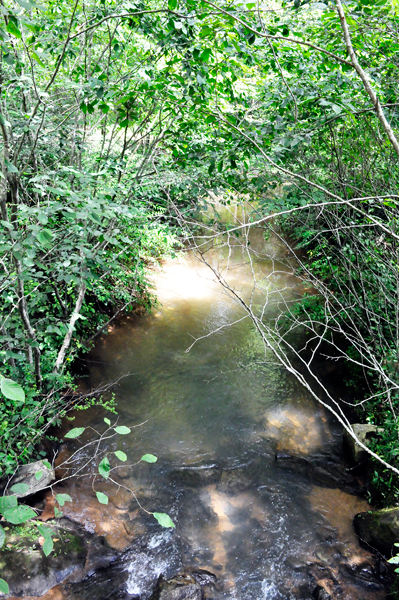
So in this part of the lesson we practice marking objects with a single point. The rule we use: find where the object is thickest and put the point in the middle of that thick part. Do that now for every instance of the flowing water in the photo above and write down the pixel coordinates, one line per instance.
(249, 467)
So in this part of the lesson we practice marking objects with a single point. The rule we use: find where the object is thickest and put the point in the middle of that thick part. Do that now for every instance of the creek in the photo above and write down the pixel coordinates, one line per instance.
(250, 468)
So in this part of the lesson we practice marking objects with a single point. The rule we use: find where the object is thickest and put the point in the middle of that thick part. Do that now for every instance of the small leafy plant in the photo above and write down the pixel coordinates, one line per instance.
(18, 514)
(395, 559)
(105, 468)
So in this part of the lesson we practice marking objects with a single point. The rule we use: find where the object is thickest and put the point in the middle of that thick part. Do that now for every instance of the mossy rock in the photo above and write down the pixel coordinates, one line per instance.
(379, 529)
(29, 572)
(188, 584)
(36, 476)
(364, 433)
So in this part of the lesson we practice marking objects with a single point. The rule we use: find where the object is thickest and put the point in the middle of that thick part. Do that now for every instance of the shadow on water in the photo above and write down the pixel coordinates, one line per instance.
(250, 468)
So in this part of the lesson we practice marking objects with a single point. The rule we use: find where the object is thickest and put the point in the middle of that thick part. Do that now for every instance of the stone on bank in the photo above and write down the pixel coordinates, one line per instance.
(379, 529)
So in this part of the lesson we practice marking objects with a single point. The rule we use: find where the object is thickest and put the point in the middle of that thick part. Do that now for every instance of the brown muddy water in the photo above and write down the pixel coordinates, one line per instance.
(216, 417)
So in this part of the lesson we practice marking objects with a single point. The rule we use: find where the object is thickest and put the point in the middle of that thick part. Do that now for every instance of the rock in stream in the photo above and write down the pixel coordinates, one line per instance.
(29, 572)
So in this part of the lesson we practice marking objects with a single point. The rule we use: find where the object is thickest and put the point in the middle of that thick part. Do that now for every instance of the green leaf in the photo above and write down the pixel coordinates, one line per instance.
(44, 237)
(104, 467)
(337, 109)
(20, 488)
(19, 514)
(102, 498)
(13, 29)
(26, 5)
(122, 430)
(2, 536)
(12, 390)
(28, 262)
(121, 455)
(205, 54)
(48, 546)
(150, 458)
(163, 519)
(107, 421)
(57, 513)
(38, 59)
(48, 541)
(43, 218)
(8, 58)
(38, 475)
(46, 464)
(172, 4)
(62, 498)
(58, 191)
(7, 502)
(3, 120)
(45, 531)
(74, 433)
(10, 167)
(4, 587)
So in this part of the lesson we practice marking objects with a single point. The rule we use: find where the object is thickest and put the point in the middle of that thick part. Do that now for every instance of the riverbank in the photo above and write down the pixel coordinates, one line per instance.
(351, 307)
(263, 527)
(250, 468)
(37, 380)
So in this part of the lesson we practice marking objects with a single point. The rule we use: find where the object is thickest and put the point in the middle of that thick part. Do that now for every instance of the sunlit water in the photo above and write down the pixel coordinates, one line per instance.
(215, 417)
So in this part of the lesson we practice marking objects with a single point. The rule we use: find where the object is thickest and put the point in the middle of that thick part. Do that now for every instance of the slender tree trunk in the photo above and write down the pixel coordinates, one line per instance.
(23, 311)
(8, 346)
(365, 80)
(67, 339)
(3, 177)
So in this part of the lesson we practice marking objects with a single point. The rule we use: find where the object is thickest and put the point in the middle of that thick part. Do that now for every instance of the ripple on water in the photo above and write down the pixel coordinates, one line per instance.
(159, 557)
(268, 590)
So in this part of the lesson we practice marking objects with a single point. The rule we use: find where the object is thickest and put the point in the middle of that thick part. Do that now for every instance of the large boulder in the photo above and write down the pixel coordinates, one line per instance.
(35, 475)
(379, 529)
(364, 434)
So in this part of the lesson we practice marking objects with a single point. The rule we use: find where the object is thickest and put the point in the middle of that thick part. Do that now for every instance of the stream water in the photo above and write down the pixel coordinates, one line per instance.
(250, 468)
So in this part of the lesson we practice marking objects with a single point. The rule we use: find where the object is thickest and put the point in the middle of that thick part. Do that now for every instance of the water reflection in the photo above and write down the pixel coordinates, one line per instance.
(297, 429)
(217, 417)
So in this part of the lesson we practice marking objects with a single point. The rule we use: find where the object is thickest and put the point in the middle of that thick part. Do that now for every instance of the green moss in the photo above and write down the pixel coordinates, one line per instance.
(75, 544)
(26, 537)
